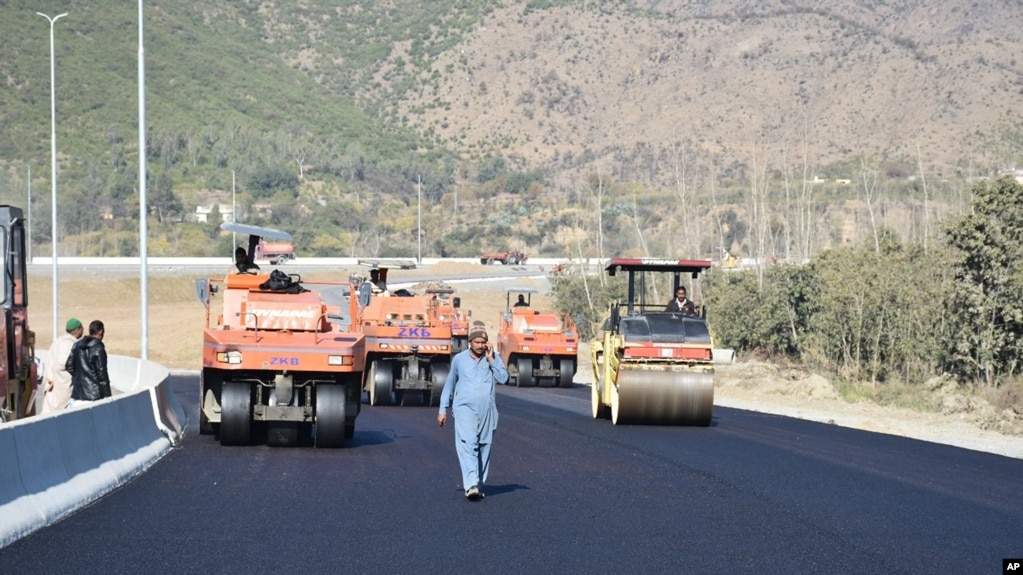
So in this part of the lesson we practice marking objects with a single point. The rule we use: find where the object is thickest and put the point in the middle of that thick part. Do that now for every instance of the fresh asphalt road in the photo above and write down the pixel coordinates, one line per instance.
(752, 493)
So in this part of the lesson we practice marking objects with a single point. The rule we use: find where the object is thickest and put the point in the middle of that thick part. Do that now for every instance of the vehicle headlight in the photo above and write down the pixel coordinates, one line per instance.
(231, 357)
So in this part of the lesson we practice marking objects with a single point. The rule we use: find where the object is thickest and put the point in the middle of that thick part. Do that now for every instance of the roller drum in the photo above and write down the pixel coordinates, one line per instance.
(663, 397)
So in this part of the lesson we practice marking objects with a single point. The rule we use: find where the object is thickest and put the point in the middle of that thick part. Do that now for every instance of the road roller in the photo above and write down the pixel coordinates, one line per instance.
(653, 366)
(282, 362)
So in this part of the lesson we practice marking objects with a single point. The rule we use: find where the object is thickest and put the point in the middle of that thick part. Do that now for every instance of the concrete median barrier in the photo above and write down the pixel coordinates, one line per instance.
(60, 462)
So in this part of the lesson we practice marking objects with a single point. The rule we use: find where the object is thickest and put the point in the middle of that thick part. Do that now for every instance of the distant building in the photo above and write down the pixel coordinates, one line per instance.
(202, 213)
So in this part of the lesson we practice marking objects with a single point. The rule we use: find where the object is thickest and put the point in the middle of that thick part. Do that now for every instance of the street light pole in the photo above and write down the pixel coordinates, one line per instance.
(419, 235)
(234, 218)
(143, 208)
(28, 210)
(53, 166)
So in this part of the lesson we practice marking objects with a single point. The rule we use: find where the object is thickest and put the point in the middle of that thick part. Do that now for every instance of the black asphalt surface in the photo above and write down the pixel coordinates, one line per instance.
(753, 493)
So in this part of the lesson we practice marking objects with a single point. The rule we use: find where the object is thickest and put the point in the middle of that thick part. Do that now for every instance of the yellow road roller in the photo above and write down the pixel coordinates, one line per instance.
(653, 363)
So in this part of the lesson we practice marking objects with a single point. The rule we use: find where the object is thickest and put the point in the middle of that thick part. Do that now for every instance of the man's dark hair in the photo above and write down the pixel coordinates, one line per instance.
(95, 327)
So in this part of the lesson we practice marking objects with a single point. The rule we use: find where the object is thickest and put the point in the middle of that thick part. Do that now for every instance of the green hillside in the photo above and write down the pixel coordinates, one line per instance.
(560, 128)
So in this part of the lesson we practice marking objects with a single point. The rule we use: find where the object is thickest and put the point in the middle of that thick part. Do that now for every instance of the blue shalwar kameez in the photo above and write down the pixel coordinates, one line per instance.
(469, 390)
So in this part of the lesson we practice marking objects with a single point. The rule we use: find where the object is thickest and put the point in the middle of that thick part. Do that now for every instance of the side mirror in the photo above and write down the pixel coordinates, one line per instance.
(365, 294)
(456, 302)
(202, 291)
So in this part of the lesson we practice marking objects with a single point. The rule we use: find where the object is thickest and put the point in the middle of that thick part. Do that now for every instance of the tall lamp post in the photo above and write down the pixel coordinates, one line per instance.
(53, 167)
(28, 211)
(143, 209)
(419, 233)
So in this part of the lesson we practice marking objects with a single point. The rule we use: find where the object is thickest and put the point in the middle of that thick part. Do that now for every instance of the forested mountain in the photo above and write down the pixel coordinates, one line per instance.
(565, 128)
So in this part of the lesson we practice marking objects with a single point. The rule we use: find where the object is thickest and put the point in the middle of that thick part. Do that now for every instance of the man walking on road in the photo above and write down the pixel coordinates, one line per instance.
(469, 391)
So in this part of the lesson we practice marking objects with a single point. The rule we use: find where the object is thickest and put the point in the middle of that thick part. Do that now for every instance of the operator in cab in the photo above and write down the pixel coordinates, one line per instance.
(242, 263)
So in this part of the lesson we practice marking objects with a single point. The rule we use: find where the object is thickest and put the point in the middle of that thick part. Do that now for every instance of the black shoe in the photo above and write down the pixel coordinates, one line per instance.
(473, 493)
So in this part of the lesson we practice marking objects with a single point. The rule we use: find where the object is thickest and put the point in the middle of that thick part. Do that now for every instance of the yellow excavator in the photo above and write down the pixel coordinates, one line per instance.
(653, 366)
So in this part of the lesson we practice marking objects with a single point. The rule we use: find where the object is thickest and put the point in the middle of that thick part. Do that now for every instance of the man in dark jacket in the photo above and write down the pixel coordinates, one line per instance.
(87, 365)
(681, 303)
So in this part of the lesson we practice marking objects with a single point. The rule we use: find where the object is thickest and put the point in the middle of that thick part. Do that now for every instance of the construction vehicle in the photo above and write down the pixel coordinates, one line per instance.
(18, 370)
(509, 258)
(450, 312)
(278, 253)
(376, 282)
(539, 347)
(280, 358)
(652, 366)
(408, 347)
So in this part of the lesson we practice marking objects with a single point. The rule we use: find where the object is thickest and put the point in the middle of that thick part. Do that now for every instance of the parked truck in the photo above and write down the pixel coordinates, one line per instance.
(277, 252)
(509, 258)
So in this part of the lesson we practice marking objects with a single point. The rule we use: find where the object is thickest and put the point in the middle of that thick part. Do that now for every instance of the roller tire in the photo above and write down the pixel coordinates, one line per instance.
(567, 369)
(330, 415)
(438, 377)
(598, 409)
(524, 372)
(381, 382)
(236, 414)
(663, 398)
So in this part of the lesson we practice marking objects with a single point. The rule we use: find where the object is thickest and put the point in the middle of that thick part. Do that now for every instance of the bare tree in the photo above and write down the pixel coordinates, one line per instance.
(685, 197)
(869, 175)
(598, 188)
(635, 220)
(923, 183)
(806, 209)
(759, 218)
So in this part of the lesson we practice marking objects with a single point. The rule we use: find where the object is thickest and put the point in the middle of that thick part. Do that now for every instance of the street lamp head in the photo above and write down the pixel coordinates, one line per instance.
(54, 19)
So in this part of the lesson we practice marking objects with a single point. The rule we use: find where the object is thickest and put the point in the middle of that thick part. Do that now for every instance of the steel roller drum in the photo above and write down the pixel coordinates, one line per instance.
(663, 396)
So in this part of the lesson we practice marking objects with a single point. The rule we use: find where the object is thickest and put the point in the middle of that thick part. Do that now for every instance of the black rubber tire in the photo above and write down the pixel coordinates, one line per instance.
(330, 415)
(524, 377)
(236, 414)
(381, 383)
(438, 376)
(567, 368)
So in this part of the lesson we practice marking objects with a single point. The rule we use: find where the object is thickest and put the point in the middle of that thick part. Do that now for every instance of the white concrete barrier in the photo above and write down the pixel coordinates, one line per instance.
(724, 356)
(19, 514)
(56, 463)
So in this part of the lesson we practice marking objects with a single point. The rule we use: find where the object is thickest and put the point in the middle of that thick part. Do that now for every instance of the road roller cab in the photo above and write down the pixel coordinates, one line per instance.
(450, 312)
(281, 361)
(539, 347)
(653, 366)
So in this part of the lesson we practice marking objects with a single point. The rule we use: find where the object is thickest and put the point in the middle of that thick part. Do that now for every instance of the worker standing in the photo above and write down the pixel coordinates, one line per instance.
(469, 391)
